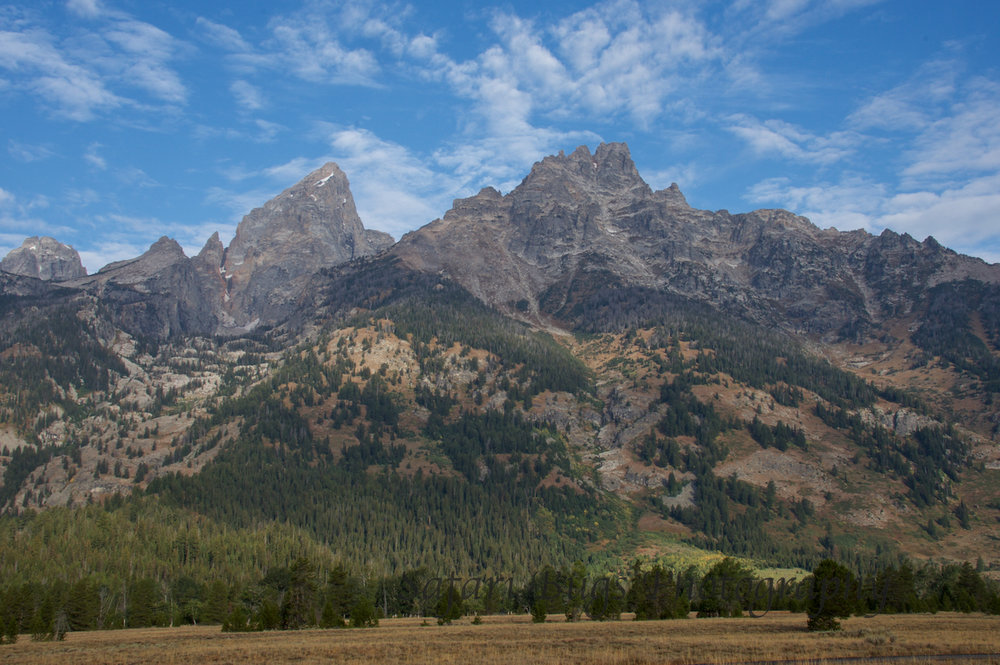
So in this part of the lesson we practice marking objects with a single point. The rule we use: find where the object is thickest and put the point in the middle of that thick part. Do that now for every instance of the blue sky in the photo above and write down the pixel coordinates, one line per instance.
(125, 120)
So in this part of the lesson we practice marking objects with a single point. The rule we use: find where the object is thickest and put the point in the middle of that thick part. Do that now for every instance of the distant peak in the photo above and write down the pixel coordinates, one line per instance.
(321, 176)
(489, 193)
(213, 248)
(613, 150)
(165, 245)
(44, 258)
(610, 165)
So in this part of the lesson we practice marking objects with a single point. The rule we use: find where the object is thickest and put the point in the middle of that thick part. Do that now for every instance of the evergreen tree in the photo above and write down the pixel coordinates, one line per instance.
(363, 614)
(833, 595)
(725, 589)
(449, 606)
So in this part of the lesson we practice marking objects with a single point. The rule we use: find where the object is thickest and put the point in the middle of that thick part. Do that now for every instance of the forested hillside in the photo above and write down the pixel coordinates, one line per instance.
(627, 379)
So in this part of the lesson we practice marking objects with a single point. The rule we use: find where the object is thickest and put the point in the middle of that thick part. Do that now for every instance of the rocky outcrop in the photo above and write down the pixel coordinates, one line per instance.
(260, 278)
(279, 246)
(163, 292)
(582, 225)
(582, 240)
(44, 258)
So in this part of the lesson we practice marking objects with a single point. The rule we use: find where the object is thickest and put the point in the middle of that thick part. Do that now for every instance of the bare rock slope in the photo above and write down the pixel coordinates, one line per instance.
(44, 258)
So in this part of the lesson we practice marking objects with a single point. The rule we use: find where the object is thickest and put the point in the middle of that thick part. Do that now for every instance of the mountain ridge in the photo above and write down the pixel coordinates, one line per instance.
(565, 220)
(573, 217)
(744, 382)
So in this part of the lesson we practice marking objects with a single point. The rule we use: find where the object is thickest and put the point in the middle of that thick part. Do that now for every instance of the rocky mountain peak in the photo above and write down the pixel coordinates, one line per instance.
(309, 226)
(208, 264)
(213, 253)
(44, 258)
(609, 170)
(162, 254)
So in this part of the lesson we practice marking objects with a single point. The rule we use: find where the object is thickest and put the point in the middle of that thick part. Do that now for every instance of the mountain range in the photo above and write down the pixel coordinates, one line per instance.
(582, 357)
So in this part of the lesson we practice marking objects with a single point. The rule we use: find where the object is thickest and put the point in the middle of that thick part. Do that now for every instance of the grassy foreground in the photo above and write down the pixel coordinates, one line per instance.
(504, 640)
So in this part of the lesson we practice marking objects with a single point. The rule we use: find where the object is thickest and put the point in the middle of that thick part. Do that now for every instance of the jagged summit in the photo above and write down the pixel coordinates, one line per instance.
(279, 246)
(582, 224)
(609, 169)
(673, 195)
(44, 258)
(578, 225)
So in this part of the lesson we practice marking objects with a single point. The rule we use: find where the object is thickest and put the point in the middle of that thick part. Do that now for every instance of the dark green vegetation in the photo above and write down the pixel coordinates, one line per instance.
(420, 434)
(928, 461)
(947, 329)
(349, 488)
(304, 594)
(426, 308)
(44, 359)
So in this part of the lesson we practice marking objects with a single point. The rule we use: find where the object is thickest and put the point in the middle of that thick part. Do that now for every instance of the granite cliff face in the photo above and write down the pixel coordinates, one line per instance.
(44, 258)
(583, 224)
(258, 279)
(582, 241)
(162, 293)
(279, 246)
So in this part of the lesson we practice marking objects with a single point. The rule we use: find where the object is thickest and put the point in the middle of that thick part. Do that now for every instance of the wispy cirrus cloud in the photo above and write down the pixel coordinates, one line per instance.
(965, 139)
(248, 96)
(81, 75)
(69, 89)
(308, 44)
(777, 137)
(85, 8)
(93, 157)
(27, 152)
(221, 36)
(851, 203)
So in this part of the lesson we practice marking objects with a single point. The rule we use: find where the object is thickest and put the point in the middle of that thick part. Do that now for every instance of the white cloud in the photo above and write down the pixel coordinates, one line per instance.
(5, 197)
(247, 96)
(267, 131)
(222, 36)
(308, 44)
(966, 139)
(949, 127)
(93, 157)
(25, 152)
(81, 75)
(81, 198)
(313, 54)
(962, 217)
(775, 19)
(787, 140)
(133, 176)
(616, 58)
(395, 191)
(73, 91)
(852, 203)
(108, 250)
(84, 8)
(503, 160)
(684, 175)
(147, 50)
(913, 104)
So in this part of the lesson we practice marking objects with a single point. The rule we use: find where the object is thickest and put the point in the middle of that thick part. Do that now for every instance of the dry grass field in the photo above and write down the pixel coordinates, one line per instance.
(506, 640)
